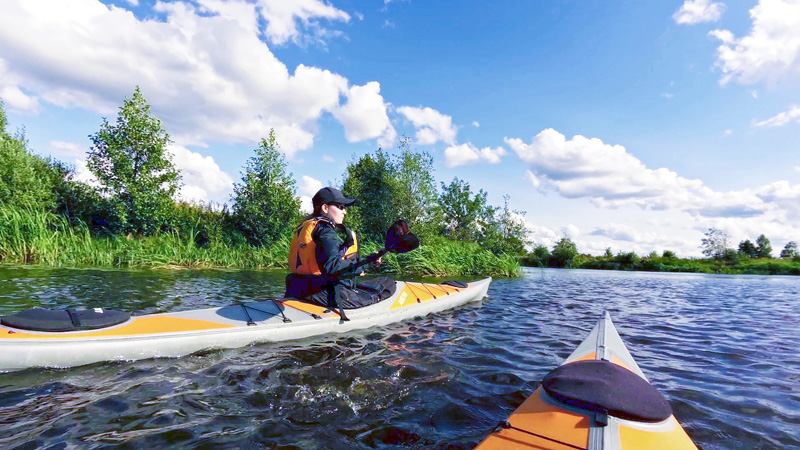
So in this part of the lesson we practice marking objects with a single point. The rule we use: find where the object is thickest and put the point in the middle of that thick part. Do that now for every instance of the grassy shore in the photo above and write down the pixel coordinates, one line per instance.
(30, 236)
(760, 266)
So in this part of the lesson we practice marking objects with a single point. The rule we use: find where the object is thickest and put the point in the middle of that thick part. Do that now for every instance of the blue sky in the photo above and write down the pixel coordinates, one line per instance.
(629, 125)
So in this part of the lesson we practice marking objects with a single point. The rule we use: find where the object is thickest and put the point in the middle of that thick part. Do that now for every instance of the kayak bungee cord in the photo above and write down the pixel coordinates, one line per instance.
(506, 425)
(250, 320)
(425, 286)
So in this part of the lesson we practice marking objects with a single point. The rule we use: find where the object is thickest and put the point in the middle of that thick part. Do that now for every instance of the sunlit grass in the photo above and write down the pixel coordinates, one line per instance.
(29, 236)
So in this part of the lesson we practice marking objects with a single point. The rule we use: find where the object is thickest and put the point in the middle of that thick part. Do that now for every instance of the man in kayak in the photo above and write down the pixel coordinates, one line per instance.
(324, 265)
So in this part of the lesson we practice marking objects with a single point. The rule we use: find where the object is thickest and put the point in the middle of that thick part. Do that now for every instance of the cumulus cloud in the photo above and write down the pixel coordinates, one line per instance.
(308, 187)
(283, 18)
(364, 115)
(203, 180)
(16, 99)
(202, 66)
(771, 52)
(698, 11)
(432, 126)
(785, 196)
(608, 174)
(793, 115)
(611, 177)
(460, 155)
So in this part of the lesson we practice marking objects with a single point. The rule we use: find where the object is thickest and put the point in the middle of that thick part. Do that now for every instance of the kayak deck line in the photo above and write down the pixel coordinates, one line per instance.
(421, 293)
(545, 421)
(184, 332)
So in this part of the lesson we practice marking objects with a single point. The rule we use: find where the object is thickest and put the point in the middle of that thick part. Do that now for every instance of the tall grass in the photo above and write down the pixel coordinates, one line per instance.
(30, 236)
(445, 257)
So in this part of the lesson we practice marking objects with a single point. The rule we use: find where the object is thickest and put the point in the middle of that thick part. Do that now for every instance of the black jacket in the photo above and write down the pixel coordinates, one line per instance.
(329, 250)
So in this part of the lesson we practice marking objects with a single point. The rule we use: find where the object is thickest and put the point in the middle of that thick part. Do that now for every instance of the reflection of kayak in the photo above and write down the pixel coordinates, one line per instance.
(182, 333)
(597, 399)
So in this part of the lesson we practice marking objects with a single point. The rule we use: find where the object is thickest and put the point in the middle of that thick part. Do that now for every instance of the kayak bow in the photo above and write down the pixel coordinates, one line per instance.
(597, 399)
(182, 333)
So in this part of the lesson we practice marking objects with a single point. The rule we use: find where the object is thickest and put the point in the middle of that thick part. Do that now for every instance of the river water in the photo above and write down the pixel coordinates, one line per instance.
(724, 350)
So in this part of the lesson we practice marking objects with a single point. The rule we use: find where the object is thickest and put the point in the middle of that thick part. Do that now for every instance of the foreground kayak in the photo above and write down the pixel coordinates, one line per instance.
(186, 332)
(597, 399)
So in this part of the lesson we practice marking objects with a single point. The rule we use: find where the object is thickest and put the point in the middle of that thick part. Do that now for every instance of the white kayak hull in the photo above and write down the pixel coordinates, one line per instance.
(182, 333)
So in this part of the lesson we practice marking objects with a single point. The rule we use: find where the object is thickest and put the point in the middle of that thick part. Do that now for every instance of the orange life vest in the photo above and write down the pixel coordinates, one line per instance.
(302, 252)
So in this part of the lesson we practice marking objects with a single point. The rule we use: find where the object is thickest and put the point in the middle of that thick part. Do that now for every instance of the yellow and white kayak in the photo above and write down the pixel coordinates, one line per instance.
(597, 399)
(182, 333)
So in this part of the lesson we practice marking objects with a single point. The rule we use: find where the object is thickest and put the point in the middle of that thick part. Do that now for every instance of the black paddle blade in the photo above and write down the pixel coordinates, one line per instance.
(399, 239)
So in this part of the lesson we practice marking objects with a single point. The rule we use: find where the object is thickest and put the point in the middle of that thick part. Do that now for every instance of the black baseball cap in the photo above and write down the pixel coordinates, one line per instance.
(328, 195)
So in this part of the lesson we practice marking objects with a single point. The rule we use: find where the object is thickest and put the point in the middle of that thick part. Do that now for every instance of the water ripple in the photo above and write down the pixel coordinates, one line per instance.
(722, 349)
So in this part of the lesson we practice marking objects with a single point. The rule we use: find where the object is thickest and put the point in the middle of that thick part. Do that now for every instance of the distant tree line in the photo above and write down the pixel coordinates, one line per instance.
(138, 182)
(716, 245)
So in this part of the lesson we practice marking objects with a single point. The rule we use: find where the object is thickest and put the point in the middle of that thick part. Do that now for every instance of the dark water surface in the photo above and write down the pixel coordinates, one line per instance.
(724, 350)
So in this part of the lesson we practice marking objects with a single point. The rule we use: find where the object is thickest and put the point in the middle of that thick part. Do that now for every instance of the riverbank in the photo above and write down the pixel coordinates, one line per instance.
(631, 262)
(46, 239)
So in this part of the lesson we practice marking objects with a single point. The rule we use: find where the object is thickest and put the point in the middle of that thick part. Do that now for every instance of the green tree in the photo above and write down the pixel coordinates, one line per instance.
(790, 250)
(134, 167)
(388, 188)
(264, 203)
(464, 215)
(668, 254)
(26, 179)
(563, 252)
(715, 244)
(370, 180)
(763, 247)
(608, 253)
(748, 249)
(542, 253)
(414, 195)
(507, 232)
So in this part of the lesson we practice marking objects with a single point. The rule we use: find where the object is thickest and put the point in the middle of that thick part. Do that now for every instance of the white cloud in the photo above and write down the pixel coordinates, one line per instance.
(786, 197)
(571, 231)
(84, 175)
(364, 115)
(432, 126)
(492, 155)
(793, 115)
(608, 174)
(283, 16)
(202, 67)
(771, 52)
(460, 155)
(308, 187)
(611, 178)
(13, 97)
(667, 95)
(328, 159)
(67, 149)
(476, 124)
(698, 11)
(202, 178)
